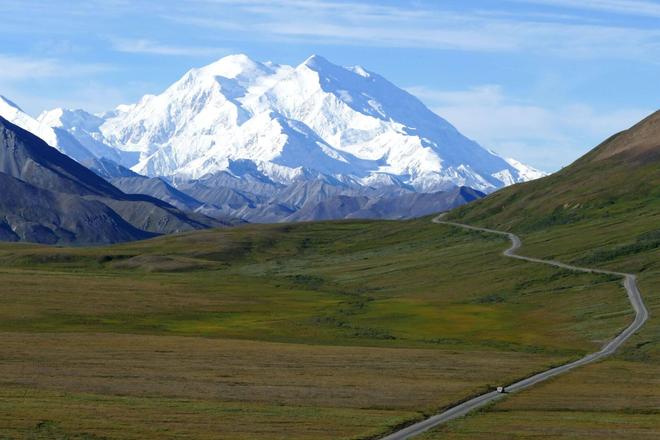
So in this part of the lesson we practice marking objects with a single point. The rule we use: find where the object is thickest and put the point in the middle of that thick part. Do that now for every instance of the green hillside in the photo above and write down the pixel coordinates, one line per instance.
(618, 180)
(319, 330)
(601, 211)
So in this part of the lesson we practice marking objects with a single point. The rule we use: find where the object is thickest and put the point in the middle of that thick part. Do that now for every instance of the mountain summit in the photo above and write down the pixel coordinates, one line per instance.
(290, 123)
(56, 137)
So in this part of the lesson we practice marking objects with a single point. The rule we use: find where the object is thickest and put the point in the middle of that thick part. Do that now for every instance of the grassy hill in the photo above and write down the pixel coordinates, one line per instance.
(619, 179)
(318, 330)
(601, 211)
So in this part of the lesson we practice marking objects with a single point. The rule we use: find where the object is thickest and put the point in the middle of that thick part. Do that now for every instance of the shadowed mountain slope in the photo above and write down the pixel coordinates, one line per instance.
(49, 198)
(28, 213)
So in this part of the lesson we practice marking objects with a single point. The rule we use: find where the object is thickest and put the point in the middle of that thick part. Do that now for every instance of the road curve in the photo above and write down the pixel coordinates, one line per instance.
(641, 315)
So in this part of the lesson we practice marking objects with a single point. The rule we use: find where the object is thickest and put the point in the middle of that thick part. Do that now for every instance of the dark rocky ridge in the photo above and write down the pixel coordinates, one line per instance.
(49, 198)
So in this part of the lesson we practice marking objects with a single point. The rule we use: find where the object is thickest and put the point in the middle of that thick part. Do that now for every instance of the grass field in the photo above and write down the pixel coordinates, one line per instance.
(319, 330)
(146, 386)
(618, 398)
(602, 214)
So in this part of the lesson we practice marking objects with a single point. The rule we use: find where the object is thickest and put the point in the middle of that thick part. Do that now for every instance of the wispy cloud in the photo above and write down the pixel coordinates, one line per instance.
(156, 48)
(349, 23)
(630, 7)
(15, 68)
(29, 82)
(434, 27)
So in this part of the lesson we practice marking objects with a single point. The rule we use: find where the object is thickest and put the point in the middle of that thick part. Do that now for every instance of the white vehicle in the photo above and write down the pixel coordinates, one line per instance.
(501, 390)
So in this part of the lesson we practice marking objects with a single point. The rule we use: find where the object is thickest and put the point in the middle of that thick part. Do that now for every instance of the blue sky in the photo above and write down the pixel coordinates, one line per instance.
(542, 81)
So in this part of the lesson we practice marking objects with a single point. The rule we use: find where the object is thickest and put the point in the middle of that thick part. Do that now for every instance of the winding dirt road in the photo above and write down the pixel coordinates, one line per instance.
(641, 315)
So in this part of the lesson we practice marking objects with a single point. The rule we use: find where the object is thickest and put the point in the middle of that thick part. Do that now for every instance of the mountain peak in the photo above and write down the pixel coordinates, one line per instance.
(233, 66)
(235, 59)
(56, 137)
(316, 62)
(14, 114)
(52, 117)
(69, 119)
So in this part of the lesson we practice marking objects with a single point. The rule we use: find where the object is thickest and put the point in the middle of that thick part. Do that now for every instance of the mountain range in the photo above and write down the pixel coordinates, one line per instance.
(265, 142)
(289, 123)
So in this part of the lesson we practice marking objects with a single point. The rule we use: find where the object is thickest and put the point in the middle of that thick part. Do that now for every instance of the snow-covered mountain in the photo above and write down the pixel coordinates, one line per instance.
(58, 138)
(84, 127)
(287, 124)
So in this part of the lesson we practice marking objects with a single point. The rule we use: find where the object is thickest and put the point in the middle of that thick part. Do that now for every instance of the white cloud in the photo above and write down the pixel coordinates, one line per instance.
(631, 7)
(545, 137)
(14, 68)
(326, 21)
(155, 48)
(25, 80)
